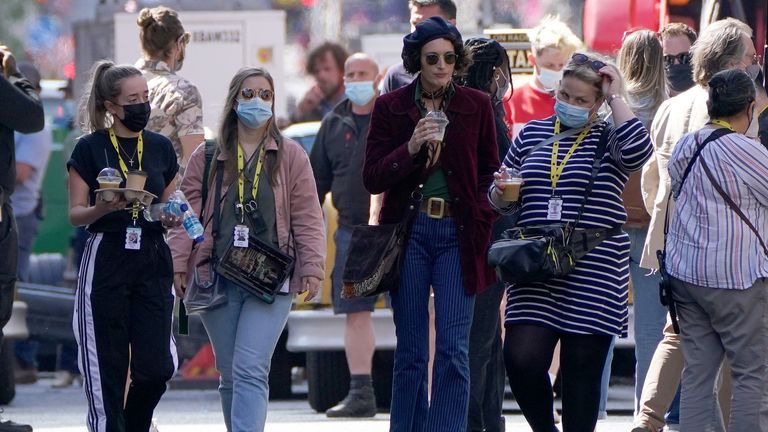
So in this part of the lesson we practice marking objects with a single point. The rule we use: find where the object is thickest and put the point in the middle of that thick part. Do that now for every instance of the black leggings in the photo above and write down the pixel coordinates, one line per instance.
(528, 353)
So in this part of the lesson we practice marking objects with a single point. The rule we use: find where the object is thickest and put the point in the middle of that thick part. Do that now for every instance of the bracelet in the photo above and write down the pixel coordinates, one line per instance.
(612, 97)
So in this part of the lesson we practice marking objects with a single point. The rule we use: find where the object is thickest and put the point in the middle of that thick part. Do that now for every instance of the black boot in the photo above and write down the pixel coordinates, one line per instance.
(360, 402)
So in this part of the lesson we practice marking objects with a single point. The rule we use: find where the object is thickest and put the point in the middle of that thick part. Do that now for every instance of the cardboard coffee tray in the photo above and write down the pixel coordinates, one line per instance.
(131, 195)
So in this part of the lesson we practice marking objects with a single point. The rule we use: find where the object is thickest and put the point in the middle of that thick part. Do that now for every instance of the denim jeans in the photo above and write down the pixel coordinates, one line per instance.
(431, 259)
(244, 333)
(650, 315)
(605, 380)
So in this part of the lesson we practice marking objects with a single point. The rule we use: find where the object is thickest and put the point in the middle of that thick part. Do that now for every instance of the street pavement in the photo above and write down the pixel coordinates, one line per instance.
(63, 410)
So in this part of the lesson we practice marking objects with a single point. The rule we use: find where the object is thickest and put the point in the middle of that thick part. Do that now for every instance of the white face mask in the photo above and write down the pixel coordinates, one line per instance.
(754, 125)
(549, 78)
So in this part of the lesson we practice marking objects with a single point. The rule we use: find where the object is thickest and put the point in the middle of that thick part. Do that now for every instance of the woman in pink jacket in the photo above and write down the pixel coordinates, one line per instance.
(267, 193)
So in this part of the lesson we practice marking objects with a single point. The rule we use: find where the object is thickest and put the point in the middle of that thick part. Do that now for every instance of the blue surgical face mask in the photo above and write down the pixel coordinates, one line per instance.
(572, 115)
(360, 92)
(253, 113)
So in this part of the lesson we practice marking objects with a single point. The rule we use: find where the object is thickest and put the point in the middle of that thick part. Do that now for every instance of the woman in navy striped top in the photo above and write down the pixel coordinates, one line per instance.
(585, 309)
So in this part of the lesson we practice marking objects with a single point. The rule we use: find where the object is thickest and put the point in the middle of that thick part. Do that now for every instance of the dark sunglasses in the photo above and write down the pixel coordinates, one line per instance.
(581, 59)
(264, 94)
(682, 58)
(433, 58)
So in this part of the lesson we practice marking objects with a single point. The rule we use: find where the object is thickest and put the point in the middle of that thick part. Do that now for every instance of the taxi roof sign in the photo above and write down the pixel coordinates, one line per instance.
(518, 47)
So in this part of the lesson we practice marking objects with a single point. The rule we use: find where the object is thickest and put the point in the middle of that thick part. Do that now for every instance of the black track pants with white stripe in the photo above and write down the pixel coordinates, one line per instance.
(123, 310)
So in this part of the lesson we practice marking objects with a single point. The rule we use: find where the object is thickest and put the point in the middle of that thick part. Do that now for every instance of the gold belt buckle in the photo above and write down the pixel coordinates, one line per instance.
(436, 208)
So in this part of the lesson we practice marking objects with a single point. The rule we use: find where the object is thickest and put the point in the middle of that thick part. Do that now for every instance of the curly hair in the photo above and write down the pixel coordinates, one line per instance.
(412, 58)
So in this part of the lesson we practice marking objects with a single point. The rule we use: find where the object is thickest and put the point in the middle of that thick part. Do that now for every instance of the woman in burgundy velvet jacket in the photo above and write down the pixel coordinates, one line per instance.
(450, 235)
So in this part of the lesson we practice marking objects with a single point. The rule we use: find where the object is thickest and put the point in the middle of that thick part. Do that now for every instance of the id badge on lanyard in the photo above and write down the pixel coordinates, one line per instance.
(133, 238)
(555, 208)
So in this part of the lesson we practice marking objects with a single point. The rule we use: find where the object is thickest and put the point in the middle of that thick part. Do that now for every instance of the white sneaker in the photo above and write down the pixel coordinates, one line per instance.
(153, 426)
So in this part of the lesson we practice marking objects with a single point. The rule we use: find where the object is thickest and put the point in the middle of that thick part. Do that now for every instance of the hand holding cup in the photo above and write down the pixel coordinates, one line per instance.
(508, 182)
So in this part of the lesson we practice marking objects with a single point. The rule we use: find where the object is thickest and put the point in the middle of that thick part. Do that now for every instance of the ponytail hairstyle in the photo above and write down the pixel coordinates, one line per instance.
(105, 84)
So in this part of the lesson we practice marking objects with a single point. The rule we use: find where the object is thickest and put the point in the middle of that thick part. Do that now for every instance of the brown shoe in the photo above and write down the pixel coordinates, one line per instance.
(25, 376)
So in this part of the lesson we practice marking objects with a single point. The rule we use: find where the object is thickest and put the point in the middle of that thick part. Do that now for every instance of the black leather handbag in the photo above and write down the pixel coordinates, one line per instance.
(543, 252)
(376, 254)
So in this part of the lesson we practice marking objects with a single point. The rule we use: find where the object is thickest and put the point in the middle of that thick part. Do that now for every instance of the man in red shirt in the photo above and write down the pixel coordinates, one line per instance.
(552, 44)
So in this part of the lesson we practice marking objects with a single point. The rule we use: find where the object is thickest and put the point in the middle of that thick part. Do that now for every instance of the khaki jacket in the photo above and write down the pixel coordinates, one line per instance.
(676, 117)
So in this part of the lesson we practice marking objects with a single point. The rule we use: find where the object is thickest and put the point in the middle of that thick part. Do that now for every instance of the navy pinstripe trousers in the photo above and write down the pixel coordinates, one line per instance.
(431, 259)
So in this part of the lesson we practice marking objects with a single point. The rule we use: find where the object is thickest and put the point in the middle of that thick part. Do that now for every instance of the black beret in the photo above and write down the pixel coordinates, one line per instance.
(429, 30)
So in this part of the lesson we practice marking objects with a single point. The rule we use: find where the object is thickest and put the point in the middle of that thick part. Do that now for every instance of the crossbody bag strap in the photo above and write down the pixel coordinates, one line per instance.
(732, 204)
(217, 207)
(717, 133)
(602, 146)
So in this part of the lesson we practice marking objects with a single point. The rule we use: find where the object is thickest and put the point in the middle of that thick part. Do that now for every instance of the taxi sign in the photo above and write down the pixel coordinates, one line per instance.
(518, 47)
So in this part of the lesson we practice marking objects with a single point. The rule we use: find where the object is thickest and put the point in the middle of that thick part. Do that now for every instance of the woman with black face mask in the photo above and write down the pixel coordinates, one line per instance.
(123, 302)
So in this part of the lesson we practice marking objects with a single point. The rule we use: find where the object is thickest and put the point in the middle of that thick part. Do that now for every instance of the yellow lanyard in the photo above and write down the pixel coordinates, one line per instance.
(241, 171)
(722, 123)
(140, 150)
(555, 170)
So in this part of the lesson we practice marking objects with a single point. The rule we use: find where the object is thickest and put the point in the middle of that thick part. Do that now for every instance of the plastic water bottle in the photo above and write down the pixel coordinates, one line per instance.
(177, 203)
(193, 227)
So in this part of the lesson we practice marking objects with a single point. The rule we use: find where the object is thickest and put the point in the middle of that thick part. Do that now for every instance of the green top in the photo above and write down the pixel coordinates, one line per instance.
(436, 185)
(266, 203)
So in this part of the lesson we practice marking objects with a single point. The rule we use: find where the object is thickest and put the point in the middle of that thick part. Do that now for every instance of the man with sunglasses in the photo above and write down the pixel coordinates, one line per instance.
(337, 159)
(676, 41)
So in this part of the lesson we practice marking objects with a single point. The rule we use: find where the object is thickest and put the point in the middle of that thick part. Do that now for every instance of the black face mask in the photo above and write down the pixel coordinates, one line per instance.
(679, 77)
(136, 116)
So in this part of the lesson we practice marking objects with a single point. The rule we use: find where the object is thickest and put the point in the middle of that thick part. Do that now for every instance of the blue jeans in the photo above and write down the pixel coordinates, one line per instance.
(431, 259)
(244, 333)
(650, 315)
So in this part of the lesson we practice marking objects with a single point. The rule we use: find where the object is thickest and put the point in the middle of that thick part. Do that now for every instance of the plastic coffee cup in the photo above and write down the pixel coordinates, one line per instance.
(109, 178)
(136, 180)
(440, 119)
(512, 185)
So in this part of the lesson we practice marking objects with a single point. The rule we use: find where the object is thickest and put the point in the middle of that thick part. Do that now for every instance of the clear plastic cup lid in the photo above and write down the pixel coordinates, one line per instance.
(110, 174)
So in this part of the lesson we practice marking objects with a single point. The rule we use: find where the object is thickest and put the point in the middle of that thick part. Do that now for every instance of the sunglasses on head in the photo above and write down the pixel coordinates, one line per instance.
(581, 59)
(433, 58)
(264, 94)
(682, 58)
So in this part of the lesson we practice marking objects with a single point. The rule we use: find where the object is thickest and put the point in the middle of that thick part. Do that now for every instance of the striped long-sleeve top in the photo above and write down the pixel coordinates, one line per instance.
(708, 244)
(592, 299)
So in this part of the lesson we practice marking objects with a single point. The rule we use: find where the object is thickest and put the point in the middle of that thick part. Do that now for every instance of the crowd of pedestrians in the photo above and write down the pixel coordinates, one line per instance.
(657, 156)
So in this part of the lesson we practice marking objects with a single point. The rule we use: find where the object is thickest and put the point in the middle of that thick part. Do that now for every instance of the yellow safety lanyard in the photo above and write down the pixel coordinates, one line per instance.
(139, 149)
(722, 123)
(241, 175)
(555, 170)
(124, 167)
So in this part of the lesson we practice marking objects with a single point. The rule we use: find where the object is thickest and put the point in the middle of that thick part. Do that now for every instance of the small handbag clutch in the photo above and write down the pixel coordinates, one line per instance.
(373, 263)
(259, 269)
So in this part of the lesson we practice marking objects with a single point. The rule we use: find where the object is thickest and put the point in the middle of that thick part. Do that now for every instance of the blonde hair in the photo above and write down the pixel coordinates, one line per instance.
(641, 63)
(584, 72)
(555, 34)
(718, 48)
(160, 29)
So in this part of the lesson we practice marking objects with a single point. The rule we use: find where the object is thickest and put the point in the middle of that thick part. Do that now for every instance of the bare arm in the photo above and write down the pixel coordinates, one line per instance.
(375, 209)
(80, 212)
(23, 171)
(188, 145)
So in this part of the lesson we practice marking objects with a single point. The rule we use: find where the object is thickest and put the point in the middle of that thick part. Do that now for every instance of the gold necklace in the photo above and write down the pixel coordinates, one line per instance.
(130, 158)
